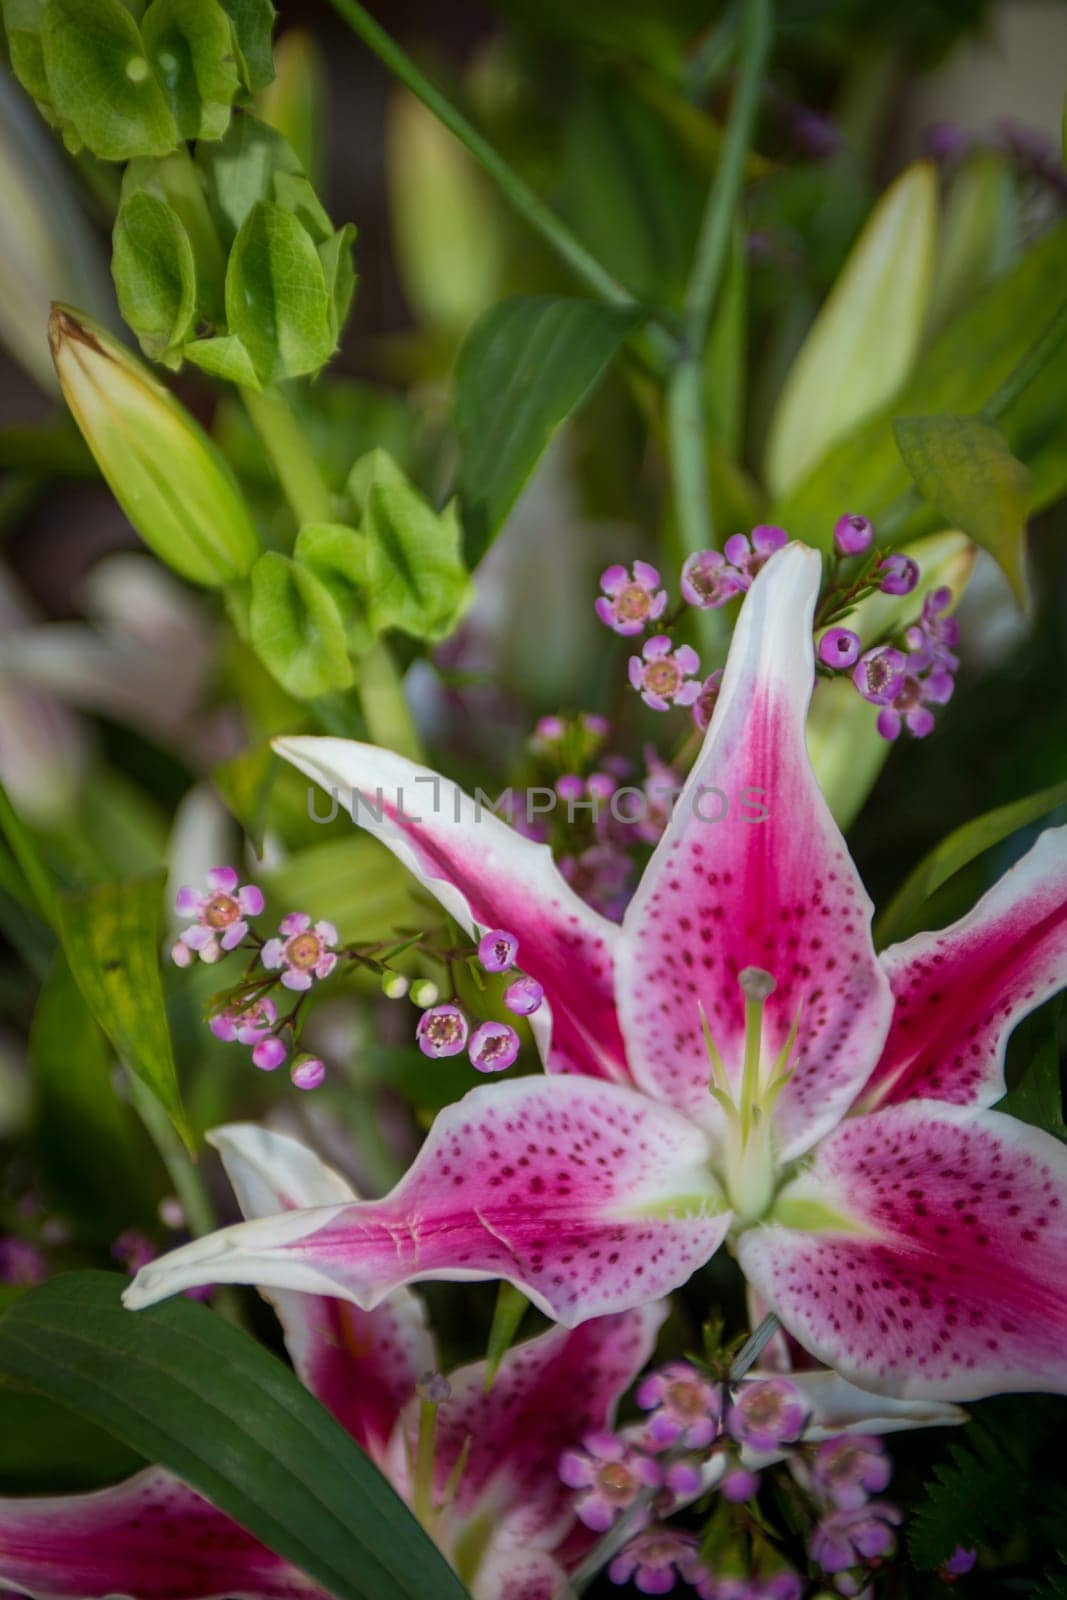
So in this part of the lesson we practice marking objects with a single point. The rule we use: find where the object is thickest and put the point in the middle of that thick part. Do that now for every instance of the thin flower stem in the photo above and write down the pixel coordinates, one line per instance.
(555, 233)
(686, 421)
(385, 709)
(754, 1347)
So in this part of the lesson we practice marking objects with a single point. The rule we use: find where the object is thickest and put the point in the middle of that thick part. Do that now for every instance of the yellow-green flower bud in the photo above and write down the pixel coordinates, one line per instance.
(161, 467)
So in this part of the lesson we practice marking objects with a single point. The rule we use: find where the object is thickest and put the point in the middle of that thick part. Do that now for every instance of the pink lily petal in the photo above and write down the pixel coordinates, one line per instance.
(513, 1571)
(487, 875)
(587, 1196)
(960, 992)
(362, 1365)
(548, 1393)
(780, 894)
(927, 1256)
(150, 1538)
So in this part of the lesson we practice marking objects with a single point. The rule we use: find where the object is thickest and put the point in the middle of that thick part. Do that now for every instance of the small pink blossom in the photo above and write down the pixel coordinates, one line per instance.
(899, 574)
(601, 875)
(494, 1046)
(739, 1484)
(245, 1025)
(959, 1563)
(748, 554)
(303, 952)
(664, 677)
(850, 1538)
(498, 950)
(686, 1408)
(767, 1413)
(706, 701)
(655, 1560)
(21, 1262)
(853, 534)
(610, 1474)
(849, 1469)
(879, 674)
(708, 580)
(269, 1053)
(910, 705)
(933, 639)
(524, 996)
(442, 1031)
(308, 1072)
(839, 648)
(630, 601)
(221, 916)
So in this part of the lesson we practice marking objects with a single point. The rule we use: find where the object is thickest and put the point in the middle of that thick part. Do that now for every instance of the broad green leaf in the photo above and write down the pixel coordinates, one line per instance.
(223, 357)
(189, 43)
(416, 578)
(961, 372)
(296, 628)
(101, 81)
(337, 555)
(866, 337)
(240, 171)
(446, 242)
(1037, 1096)
(179, 184)
(181, 1386)
(847, 751)
(354, 882)
(963, 467)
(511, 1306)
(253, 21)
(83, 1133)
(111, 935)
(44, 1449)
(335, 253)
(293, 192)
(527, 364)
(245, 782)
(956, 851)
(979, 235)
(154, 272)
(276, 298)
(22, 25)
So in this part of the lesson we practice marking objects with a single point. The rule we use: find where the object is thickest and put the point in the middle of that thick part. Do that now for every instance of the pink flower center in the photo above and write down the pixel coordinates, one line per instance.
(616, 1482)
(879, 674)
(447, 1029)
(632, 602)
(221, 911)
(910, 695)
(685, 1399)
(707, 581)
(303, 950)
(763, 1409)
(493, 1047)
(663, 678)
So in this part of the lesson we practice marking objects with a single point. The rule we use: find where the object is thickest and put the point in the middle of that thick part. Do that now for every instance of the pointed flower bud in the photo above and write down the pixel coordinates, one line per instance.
(853, 534)
(839, 647)
(160, 465)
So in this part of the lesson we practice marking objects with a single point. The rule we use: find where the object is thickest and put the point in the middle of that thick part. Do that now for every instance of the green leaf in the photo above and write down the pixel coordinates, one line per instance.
(335, 253)
(22, 25)
(223, 357)
(101, 81)
(154, 272)
(1037, 1097)
(244, 783)
(183, 1387)
(276, 298)
(296, 628)
(511, 1306)
(416, 579)
(962, 372)
(979, 235)
(111, 936)
(189, 44)
(337, 555)
(975, 1497)
(866, 337)
(955, 852)
(527, 364)
(253, 22)
(83, 1133)
(963, 467)
(179, 184)
(46, 1450)
(240, 171)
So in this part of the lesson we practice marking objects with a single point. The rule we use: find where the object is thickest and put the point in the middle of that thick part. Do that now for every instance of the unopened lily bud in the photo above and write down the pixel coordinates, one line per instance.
(160, 465)
(395, 986)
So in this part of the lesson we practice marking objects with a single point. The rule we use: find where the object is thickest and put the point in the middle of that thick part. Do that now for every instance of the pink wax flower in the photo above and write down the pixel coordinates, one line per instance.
(221, 916)
(630, 600)
(303, 952)
(663, 676)
(709, 581)
(610, 1475)
(442, 1031)
(494, 1046)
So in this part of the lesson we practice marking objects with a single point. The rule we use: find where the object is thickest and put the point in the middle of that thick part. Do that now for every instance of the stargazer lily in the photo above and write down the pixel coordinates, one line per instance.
(488, 1492)
(734, 1062)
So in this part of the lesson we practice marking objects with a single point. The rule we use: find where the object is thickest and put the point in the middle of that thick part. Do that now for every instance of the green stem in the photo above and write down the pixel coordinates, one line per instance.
(381, 693)
(522, 197)
(25, 853)
(685, 384)
(422, 1497)
(290, 454)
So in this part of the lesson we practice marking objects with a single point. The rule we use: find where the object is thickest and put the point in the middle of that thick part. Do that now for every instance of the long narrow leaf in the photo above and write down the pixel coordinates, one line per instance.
(184, 1388)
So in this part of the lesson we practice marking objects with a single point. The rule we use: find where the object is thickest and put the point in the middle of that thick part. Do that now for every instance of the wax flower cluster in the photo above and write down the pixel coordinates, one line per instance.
(704, 1434)
(904, 676)
(446, 1030)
